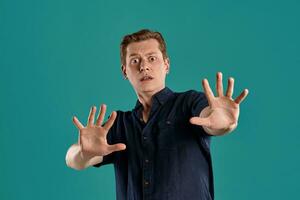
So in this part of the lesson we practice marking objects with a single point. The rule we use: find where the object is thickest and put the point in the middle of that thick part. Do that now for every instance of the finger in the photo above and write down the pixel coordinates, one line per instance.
(110, 121)
(242, 96)
(230, 86)
(92, 116)
(79, 140)
(116, 147)
(209, 94)
(200, 121)
(77, 123)
(101, 115)
(219, 84)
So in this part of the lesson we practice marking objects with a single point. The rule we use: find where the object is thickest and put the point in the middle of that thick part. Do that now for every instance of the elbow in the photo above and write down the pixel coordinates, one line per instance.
(71, 164)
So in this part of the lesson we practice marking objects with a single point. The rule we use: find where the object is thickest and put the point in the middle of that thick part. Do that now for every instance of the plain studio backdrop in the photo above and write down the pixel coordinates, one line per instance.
(58, 58)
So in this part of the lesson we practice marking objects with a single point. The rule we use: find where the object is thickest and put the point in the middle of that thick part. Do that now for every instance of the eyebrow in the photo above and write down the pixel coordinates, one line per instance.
(133, 54)
(150, 53)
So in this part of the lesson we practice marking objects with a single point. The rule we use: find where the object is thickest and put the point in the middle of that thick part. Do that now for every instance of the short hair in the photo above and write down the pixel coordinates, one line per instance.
(142, 35)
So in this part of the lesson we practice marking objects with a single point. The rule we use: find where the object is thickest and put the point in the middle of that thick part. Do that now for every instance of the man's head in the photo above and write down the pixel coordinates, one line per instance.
(142, 35)
(144, 60)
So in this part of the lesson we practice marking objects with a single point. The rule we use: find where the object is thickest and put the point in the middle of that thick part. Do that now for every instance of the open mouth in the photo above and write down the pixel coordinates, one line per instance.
(146, 78)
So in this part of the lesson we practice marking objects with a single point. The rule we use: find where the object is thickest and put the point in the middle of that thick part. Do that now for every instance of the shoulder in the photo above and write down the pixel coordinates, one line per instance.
(117, 131)
(193, 101)
(194, 93)
(123, 116)
(190, 96)
(121, 113)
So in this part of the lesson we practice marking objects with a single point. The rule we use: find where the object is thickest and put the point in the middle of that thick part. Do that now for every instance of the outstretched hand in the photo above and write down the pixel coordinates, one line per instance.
(223, 112)
(92, 138)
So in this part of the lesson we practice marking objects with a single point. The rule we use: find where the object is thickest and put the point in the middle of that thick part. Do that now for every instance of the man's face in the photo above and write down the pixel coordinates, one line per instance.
(145, 67)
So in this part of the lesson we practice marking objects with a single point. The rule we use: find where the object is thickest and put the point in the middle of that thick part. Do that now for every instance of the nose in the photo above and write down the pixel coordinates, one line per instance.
(144, 66)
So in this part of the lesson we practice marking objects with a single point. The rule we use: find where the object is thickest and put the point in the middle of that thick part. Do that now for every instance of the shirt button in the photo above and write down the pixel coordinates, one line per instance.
(168, 122)
(146, 183)
(146, 160)
(145, 138)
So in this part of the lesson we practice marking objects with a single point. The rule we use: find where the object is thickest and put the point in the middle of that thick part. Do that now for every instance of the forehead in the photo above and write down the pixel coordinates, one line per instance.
(143, 47)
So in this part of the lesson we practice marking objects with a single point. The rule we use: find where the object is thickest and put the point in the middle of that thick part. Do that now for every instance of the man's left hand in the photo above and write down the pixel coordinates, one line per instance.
(221, 116)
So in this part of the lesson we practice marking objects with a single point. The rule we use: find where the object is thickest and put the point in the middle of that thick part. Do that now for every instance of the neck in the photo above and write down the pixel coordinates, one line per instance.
(145, 99)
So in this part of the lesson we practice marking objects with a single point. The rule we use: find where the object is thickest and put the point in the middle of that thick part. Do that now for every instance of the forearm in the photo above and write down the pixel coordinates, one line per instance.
(76, 159)
(216, 132)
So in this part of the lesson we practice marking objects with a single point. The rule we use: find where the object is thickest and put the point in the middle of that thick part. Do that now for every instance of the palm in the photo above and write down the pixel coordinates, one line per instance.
(223, 111)
(92, 138)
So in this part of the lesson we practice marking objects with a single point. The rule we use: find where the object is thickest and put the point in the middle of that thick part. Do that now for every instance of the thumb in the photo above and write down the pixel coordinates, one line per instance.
(200, 121)
(116, 147)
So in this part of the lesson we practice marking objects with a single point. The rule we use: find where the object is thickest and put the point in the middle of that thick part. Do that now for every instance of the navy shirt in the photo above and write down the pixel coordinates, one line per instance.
(167, 158)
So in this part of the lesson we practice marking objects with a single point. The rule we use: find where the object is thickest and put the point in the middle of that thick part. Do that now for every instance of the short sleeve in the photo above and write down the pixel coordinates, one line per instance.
(197, 102)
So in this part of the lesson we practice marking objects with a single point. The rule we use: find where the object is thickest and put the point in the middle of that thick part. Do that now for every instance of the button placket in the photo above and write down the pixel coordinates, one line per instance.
(146, 166)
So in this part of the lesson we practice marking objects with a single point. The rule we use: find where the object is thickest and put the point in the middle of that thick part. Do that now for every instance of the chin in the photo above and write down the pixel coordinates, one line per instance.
(150, 88)
(147, 89)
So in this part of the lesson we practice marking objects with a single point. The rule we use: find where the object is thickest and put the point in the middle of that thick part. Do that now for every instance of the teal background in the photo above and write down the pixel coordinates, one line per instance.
(58, 58)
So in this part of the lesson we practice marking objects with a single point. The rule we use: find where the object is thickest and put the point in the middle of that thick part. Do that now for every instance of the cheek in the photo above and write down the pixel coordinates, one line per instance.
(131, 70)
(161, 75)
(134, 68)
(162, 70)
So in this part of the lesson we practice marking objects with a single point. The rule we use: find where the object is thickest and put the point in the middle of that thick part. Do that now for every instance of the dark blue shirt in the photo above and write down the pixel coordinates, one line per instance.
(166, 158)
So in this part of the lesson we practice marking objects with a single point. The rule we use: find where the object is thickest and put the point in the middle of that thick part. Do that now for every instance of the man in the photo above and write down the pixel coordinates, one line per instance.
(160, 149)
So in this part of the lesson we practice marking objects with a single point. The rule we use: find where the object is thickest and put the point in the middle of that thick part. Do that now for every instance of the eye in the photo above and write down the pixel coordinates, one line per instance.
(134, 61)
(152, 58)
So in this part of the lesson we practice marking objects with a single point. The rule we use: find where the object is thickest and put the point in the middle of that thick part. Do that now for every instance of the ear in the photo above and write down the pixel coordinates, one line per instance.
(123, 68)
(167, 65)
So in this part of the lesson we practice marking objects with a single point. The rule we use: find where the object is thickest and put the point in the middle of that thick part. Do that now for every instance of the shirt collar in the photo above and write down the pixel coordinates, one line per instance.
(161, 97)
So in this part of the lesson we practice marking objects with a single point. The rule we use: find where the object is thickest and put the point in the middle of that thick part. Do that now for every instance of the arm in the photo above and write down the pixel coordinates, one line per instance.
(221, 116)
(76, 159)
(92, 144)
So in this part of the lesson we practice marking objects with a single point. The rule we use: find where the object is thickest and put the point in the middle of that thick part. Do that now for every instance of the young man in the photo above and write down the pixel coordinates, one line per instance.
(160, 149)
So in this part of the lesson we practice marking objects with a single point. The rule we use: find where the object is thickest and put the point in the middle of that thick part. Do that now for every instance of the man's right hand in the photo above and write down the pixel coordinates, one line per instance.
(92, 138)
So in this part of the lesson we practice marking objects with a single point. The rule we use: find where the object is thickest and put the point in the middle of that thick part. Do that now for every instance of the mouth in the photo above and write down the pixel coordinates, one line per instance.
(146, 78)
